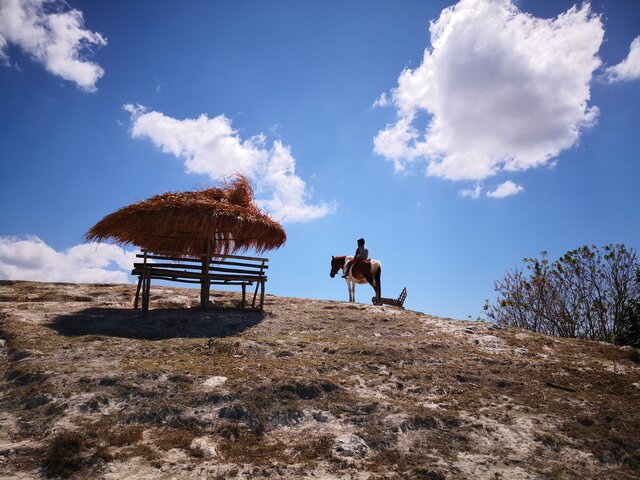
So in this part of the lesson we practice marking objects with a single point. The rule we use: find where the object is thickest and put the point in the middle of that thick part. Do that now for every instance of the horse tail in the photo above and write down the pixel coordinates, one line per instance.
(376, 276)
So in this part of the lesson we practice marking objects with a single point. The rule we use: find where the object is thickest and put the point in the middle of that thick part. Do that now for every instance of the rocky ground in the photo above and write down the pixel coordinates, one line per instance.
(310, 388)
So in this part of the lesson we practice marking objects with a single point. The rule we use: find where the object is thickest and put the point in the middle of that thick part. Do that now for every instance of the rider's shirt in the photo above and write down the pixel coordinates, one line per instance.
(362, 253)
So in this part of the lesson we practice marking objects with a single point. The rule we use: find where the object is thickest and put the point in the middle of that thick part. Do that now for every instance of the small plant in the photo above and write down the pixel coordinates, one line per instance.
(220, 346)
(422, 420)
(316, 449)
(175, 439)
(127, 436)
(65, 455)
(548, 440)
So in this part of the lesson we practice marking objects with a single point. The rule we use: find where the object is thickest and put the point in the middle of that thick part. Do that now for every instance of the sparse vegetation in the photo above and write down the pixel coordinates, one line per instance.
(94, 390)
(174, 438)
(129, 435)
(66, 455)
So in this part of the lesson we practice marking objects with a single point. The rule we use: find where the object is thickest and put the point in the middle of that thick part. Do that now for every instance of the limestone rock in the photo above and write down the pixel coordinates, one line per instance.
(350, 446)
(213, 382)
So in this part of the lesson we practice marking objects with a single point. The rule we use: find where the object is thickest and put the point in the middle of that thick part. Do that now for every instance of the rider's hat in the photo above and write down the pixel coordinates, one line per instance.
(361, 241)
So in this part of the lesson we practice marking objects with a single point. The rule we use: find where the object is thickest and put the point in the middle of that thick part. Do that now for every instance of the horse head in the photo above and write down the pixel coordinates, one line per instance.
(336, 264)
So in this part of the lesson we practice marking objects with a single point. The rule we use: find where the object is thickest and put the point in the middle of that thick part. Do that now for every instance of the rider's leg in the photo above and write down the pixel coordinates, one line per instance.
(347, 267)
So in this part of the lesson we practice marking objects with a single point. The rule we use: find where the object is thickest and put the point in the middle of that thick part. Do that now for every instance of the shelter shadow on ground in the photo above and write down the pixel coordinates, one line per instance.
(159, 324)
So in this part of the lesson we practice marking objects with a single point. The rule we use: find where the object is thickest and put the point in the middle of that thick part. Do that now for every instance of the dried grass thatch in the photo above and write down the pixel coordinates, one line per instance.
(224, 220)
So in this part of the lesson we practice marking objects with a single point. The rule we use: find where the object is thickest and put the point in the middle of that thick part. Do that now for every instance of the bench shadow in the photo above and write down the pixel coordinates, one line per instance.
(159, 324)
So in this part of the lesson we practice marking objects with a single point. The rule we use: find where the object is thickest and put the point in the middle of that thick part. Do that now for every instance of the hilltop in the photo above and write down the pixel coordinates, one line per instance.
(310, 388)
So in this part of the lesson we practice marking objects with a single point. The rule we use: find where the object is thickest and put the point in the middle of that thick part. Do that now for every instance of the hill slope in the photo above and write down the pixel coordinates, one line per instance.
(310, 388)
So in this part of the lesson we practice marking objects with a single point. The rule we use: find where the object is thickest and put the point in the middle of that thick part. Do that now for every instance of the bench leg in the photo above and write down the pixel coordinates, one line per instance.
(205, 293)
(146, 293)
(143, 293)
(255, 294)
(262, 295)
(244, 294)
(135, 303)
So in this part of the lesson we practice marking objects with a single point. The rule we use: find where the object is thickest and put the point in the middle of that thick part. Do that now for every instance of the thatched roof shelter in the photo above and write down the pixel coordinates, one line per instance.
(212, 221)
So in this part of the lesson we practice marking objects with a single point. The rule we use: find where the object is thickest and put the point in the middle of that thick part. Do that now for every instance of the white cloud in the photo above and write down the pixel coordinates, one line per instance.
(289, 192)
(54, 36)
(208, 146)
(4, 58)
(501, 89)
(212, 147)
(505, 189)
(399, 143)
(31, 258)
(473, 193)
(629, 68)
(382, 100)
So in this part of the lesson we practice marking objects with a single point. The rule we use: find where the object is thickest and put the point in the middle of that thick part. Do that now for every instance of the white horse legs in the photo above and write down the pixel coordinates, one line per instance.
(351, 286)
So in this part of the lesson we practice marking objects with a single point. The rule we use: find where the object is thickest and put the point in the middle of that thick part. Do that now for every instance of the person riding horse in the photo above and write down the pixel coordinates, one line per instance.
(358, 270)
(362, 254)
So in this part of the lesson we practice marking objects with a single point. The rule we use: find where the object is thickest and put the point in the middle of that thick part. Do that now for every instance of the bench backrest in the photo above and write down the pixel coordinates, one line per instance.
(251, 268)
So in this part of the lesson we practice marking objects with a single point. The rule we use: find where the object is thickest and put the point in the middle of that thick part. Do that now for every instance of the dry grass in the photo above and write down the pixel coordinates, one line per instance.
(431, 398)
(71, 452)
(169, 439)
(184, 222)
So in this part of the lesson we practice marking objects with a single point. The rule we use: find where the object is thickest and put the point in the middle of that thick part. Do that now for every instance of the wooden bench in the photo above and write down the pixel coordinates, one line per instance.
(396, 302)
(219, 270)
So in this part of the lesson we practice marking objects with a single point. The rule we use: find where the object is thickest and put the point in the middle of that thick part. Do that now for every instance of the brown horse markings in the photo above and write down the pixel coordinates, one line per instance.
(362, 272)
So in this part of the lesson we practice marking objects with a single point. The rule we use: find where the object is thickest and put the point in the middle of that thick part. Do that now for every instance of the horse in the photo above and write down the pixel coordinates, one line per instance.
(362, 272)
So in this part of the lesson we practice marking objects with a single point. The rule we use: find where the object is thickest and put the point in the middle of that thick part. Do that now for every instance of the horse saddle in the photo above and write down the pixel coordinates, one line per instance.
(359, 269)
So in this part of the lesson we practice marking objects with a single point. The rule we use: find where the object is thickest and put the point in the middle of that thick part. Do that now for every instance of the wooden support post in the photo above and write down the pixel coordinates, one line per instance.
(146, 292)
(143, 292)
(140, 281)
(253, 302)
(135, 303)
(244, 294)
(205, 281)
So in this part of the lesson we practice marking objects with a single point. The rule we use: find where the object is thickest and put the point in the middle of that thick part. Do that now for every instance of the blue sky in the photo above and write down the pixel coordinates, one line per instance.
(517, 133)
